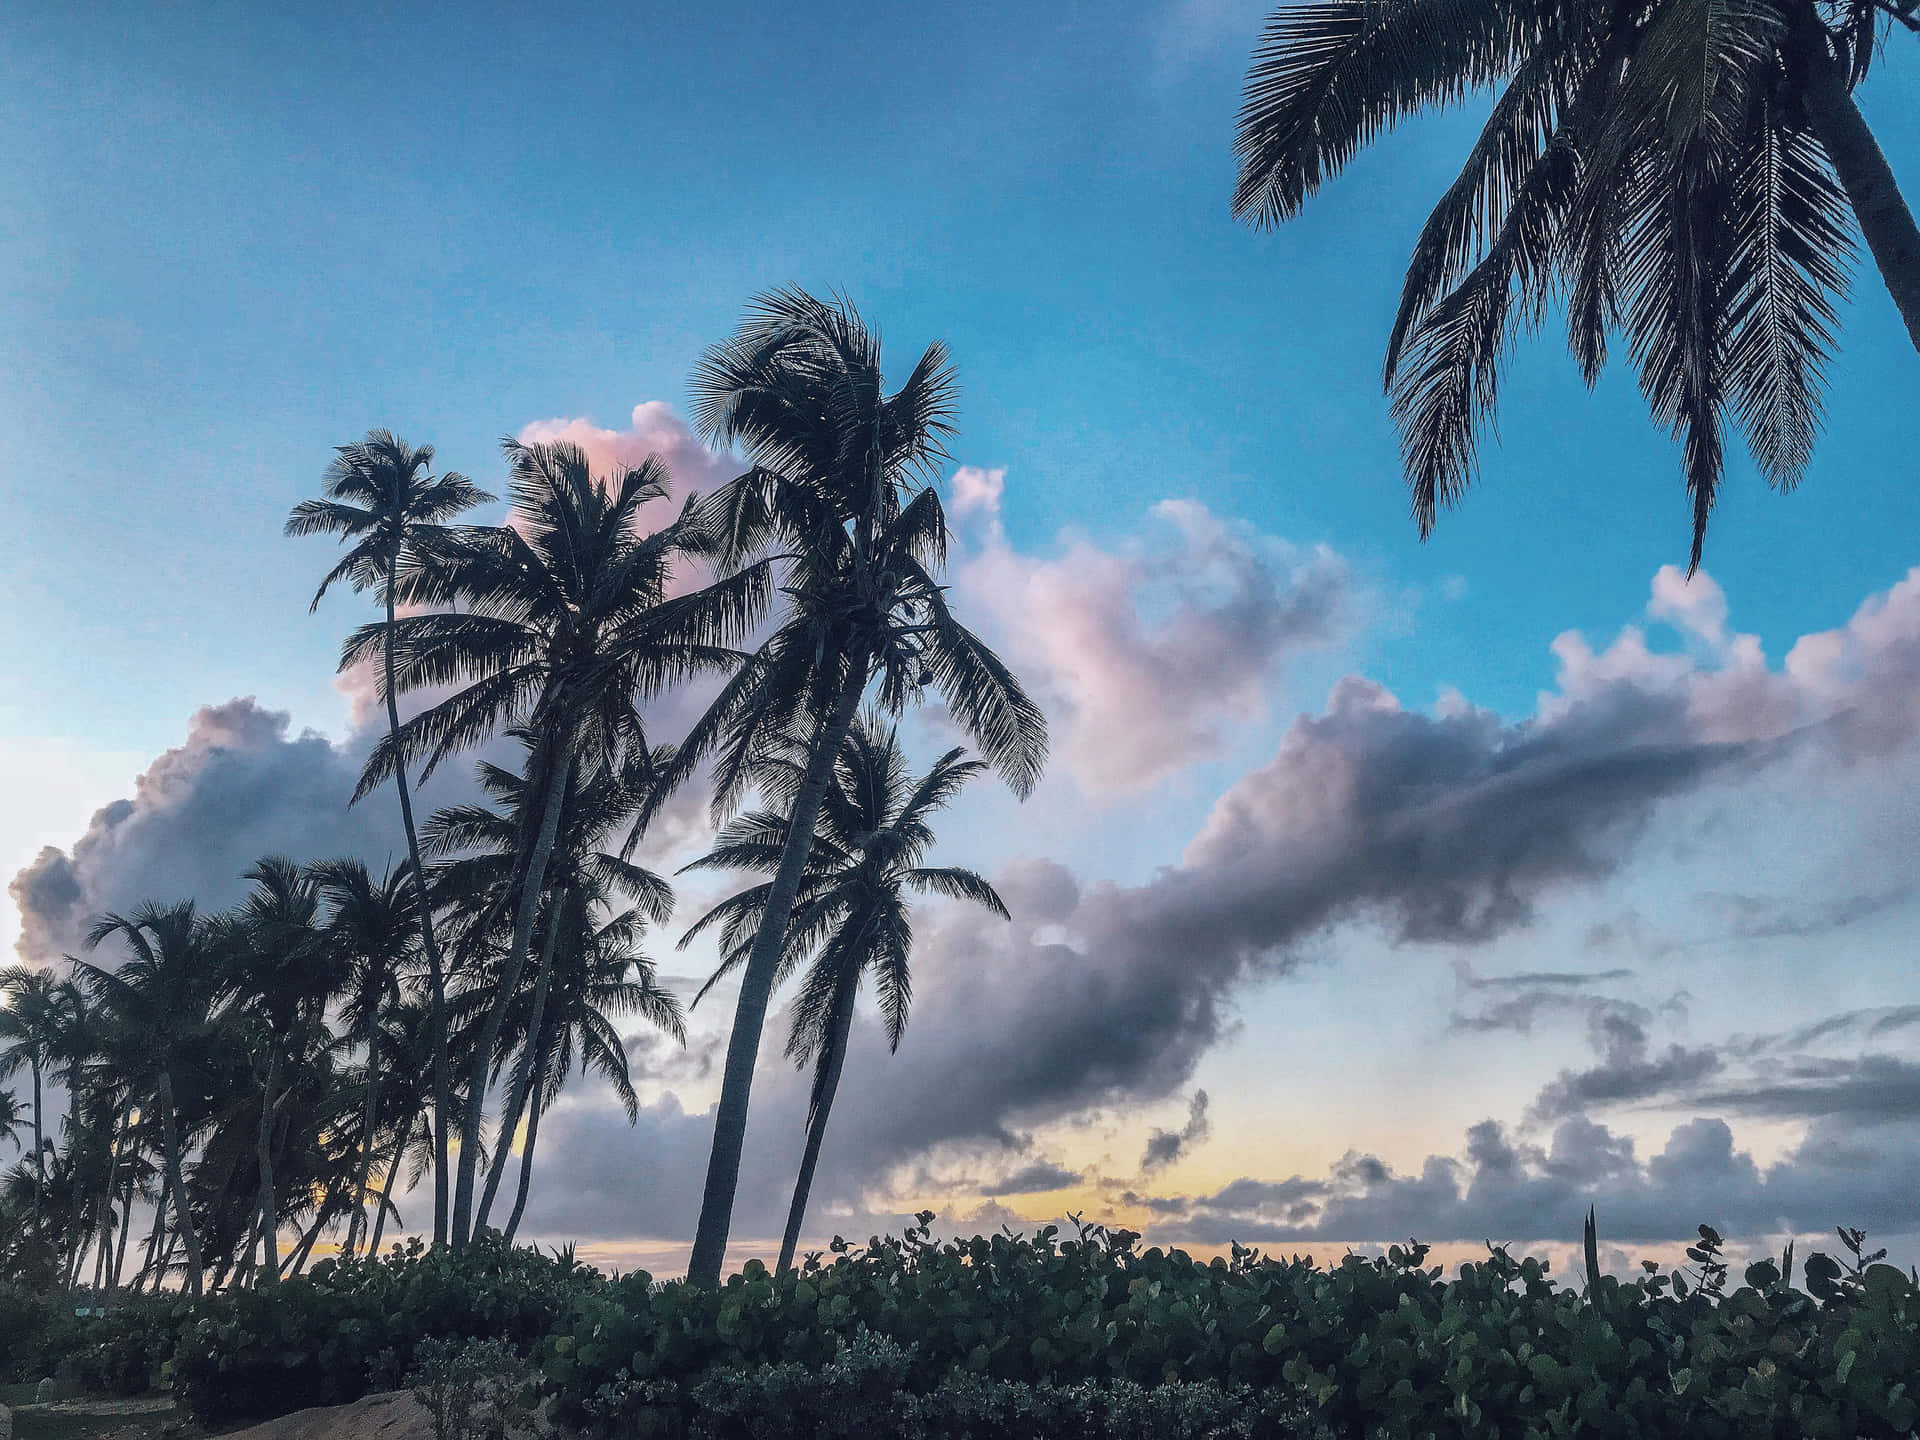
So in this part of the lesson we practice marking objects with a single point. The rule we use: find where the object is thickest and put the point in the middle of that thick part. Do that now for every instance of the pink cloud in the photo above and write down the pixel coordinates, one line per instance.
(1147, 655)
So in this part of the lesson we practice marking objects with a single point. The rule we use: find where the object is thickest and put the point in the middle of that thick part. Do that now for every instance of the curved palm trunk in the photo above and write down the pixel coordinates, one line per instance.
(561, 764)
(263, 1150)
(177, 1185)
(1884, 218)
(357, 1222)
(436, 972)
(386, 1189)
(831, 1064)
(526, 1152)
(153, 1242)
(522, 1081)
(756, 989)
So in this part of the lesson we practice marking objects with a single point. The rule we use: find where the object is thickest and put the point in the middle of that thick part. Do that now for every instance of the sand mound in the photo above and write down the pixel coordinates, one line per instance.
(395, 1415)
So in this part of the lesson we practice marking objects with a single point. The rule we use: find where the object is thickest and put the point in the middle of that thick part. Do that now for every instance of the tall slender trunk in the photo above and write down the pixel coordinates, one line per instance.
(153, 1242)
(831, 1064)
(298, 1260)
(103, 1208)
(756, 987)
(386, 1188)
(436, 972)
(559, 764)
(263, 1152)
(357, 1221)
(524, 1071)
(526, 1151)
(1884, 218)
(177, 1184)
(120, 1247)
(39, 1150)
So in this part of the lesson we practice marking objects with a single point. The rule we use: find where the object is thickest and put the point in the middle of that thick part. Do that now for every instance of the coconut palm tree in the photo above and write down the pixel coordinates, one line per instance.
(836, 498)
(285, 975)
(13, 1120)
(373, 930)
(582, 872)
(33, 1022)
(600, 977)
(852, 916)
(566, 630)
(381, 494)
(160, 1005)
(1684, 171)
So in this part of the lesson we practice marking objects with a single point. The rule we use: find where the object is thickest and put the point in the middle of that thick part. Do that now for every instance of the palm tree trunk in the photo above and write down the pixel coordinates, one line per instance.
(120, 1248)
(436, 972)
(526, 1151)
(357, 1222)
(39, 1150)
(386, 1188)
(1884, 218)
(756, 988)
(263, 1151)
(831, 1064)
(177, 1184)
(153, 1242)
(298, 1260)
(559, 765)
(511, 1122)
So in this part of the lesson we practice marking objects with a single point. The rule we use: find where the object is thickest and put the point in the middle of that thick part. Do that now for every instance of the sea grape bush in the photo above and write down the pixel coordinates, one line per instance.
(1383, 1345)
(999, 1337)
(349, 1327)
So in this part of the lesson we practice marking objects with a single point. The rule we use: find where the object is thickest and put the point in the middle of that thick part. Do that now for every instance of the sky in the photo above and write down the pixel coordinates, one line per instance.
(1376, 887)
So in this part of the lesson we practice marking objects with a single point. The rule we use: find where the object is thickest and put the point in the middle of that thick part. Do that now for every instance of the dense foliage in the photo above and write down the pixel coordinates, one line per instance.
(1373, 1343)
(1087, 1336)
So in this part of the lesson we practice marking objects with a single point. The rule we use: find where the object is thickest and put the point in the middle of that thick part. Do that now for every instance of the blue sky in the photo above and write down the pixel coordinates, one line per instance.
(236, 236)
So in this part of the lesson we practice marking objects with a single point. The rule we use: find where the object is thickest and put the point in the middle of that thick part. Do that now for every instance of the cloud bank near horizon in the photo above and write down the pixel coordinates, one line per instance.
(1433, 830)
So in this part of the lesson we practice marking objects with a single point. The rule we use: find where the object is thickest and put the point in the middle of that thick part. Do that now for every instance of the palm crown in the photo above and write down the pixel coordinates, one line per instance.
(1664, 167)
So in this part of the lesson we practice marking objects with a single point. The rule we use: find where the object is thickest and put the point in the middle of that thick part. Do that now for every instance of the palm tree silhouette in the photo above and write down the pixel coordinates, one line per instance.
(851, 915)
(582, 876)
(568, 631)
(373, 931)
(381, 494)
(161, 1005)
(1682, 170)
(32, 1025)
(834, 495)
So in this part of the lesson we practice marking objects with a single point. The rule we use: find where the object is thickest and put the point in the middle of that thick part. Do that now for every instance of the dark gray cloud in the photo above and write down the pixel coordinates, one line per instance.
(1034, 1179)
(238, 787)
(1501, 1189)
(1630, 1068)
(1166, 1146)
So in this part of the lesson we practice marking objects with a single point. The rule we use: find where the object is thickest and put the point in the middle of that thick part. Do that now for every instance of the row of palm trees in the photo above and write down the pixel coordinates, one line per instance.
(278, 1068)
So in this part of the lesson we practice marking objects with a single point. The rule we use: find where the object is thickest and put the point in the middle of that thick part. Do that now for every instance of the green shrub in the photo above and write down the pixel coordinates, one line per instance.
(476, 1390)
(349, 1327)
(35, 1330)
(1379, 1345)
(864, 1394)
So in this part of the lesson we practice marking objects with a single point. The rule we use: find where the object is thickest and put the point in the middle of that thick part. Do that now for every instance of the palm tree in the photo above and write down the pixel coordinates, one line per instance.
(835, 495)
(13, 1120)
(32, 1025)
(160, 1004)
(581, 876)
(285, 975)
(382, 495)
(600, 976)
(373, 930)
(852, 915)
(1682, 170)
(567, 630)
